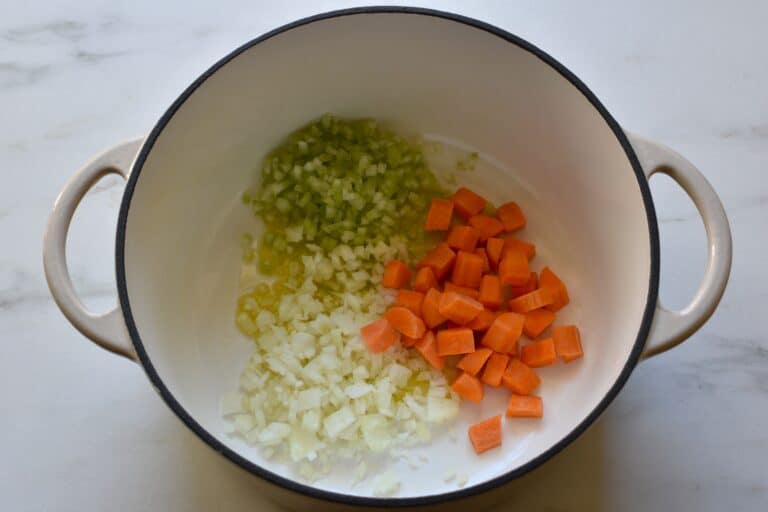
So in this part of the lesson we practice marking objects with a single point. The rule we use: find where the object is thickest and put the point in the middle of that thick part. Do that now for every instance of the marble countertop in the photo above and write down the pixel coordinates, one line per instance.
(81, 429)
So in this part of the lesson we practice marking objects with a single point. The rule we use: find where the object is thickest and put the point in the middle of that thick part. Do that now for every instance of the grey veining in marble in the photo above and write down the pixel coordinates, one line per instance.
(82, 430)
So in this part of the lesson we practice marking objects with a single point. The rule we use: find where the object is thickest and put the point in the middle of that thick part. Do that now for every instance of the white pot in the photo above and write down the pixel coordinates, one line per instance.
(546, 142)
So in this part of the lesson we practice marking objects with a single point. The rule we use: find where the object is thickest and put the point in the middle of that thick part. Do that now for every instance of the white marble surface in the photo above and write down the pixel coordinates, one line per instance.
(81, 429)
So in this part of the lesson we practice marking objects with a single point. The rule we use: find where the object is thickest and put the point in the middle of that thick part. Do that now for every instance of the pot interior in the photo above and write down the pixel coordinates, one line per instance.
(541, 143)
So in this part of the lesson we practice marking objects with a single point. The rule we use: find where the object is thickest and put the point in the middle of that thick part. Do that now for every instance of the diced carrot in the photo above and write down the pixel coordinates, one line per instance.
(462, 237)
(482, 321)
(514, 269)
(539, 353)
(515, 244)
(467, 203)
(458, 308)
(480, 251)
(486, 434)
(503, 333)
(405, 322)
(427, 347)
(424, 280)
(536, 321)
(411, 300)
(439, 215)
(440, 260)
(467, 270)
(487, 226)
(493, 248)
(408, 342)
(531, 285)
(451, 342)
(525, 407)
(494, 369)
(430, 308)
(472, 363)
(559, 292)
(469, 387)
(469, 292)
(520, 378)
(378, 335)
(396, 275)
(490, 294)
(511, 216)
(567, 342)
(530, 301)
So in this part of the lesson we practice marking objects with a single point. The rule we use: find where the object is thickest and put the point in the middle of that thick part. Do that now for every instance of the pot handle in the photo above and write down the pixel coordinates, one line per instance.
(107, 330)
(670, 328)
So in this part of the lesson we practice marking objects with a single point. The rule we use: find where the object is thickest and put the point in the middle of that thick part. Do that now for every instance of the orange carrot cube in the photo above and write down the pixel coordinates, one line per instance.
(486, 434)
(467, 270)
(494, 369)
(520, 406)
(520, 378)
(567, 342)
(511, 216)
(396, 275)
(539, 353)
(451, 342)
(503, 333)
(439, 215)
(514, 269)
(473, 362)
(463, 238)
(468, 203)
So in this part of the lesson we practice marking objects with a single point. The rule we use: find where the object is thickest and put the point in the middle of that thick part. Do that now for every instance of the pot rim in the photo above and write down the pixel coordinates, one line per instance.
(347, 499)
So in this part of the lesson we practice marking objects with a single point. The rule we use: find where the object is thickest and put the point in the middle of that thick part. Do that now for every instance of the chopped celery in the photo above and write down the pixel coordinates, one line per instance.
(336, 175)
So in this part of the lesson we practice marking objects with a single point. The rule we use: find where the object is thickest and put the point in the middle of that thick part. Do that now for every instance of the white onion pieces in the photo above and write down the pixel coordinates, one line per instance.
(311, 392)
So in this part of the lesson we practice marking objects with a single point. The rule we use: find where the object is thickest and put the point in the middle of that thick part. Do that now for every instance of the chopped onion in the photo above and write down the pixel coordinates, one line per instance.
(231, 403)
(386, 484)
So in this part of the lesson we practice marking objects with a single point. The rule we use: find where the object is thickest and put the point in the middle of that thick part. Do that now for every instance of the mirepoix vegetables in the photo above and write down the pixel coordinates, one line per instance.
(476, 286)
(350, 211)
(337, 200)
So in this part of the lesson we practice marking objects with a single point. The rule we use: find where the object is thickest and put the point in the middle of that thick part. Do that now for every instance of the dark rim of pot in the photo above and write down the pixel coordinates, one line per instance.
(308, 490)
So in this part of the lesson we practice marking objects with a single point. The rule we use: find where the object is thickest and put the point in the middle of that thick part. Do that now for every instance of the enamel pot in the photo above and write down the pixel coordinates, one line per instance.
(545, 141)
